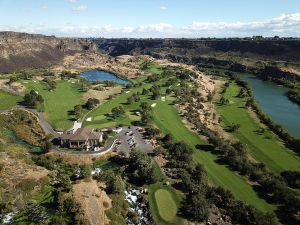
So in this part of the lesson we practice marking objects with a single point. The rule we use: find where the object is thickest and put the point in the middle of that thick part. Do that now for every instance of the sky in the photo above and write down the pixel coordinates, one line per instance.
(152, 18)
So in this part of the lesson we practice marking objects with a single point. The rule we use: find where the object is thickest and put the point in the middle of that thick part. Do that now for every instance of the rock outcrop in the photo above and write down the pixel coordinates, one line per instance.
(22, 51)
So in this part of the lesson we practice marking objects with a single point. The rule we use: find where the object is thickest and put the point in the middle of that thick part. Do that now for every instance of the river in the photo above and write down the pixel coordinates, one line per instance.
(273, 100)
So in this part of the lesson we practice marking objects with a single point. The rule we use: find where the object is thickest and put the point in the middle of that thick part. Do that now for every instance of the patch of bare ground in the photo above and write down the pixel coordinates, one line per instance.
(123, 65)
(92, 200)
(103, 94)
(78, 158)
(16, 169)
(14, 88)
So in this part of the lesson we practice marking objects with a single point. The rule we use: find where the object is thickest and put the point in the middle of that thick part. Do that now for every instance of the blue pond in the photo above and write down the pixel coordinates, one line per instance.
(99, 75)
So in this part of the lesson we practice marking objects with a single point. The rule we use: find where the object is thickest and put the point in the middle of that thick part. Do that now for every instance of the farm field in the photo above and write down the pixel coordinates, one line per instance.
(264, 147)
(59, 102)
(165, 203)
(8, 100)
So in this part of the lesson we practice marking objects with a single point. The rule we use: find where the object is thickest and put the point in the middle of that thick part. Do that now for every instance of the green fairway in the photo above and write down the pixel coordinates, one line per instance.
(168, 120)
(265, 147)
(59, 102)
(164, 204)
(8, 100)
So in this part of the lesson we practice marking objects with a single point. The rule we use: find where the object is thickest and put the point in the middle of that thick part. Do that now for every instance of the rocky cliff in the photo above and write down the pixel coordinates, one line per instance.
(271, 49)
(22, 51)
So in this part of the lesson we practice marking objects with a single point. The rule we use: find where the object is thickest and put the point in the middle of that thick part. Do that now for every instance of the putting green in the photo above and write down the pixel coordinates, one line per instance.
(166, 205)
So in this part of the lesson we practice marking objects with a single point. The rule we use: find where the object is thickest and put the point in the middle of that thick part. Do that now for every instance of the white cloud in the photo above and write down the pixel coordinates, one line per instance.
(80, 9)
(160, 27)
(288, 24)
(163, 8)
(127, 29)
(283, 25)
(72, 1)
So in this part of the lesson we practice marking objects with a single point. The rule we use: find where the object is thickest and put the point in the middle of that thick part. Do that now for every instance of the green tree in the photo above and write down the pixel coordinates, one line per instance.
(196, 208)
(91, 103)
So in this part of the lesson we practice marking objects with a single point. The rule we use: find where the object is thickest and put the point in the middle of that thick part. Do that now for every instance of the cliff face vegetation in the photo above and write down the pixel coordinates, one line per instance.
(22, 51)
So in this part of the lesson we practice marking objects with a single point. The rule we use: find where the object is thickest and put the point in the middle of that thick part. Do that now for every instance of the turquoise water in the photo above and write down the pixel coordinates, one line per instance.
(273, 100)
(99, 75)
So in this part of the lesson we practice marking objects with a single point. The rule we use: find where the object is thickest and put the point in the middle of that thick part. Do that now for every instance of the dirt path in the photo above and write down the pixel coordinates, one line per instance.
(92, 199)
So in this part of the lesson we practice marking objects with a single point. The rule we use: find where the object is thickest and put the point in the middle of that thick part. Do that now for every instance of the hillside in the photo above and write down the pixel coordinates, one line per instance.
(22, 51)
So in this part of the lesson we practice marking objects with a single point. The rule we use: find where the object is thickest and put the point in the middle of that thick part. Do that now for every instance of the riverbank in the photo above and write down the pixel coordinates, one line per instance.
(264, 146)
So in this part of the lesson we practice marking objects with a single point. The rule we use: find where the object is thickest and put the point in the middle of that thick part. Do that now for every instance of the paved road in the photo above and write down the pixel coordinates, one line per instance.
(42, 120)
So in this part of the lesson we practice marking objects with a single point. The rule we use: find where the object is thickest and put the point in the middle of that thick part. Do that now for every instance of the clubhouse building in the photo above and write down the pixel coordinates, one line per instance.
(84, 138)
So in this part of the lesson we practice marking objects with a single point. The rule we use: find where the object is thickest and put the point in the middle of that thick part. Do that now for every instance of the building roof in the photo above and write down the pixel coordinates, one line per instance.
(82, 134)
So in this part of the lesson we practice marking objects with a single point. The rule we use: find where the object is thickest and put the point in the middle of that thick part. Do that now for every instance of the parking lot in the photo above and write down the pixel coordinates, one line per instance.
(132, 138)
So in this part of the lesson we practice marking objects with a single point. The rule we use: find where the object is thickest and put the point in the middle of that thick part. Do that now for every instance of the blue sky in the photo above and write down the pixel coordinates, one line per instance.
(152, 18)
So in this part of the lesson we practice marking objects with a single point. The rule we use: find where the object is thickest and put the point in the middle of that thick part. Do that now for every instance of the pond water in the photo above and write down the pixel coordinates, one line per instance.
(100, 75)
(273, 100)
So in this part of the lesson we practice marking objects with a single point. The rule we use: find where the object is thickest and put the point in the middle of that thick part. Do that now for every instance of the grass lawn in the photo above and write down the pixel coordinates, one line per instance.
(59, 102)
(8, 100)
(106, 164)
(266, 147)
(164, 203)
(168, 120)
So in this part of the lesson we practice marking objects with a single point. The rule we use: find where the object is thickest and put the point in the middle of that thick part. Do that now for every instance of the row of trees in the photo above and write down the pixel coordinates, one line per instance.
(272, 187)
(200, 196)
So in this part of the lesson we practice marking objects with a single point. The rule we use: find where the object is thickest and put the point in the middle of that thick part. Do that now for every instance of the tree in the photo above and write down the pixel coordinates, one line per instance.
(181, 152)
(292, 178)
(129, 86)
(130, 100)
(196, 207)
(91, 103)
(115, 184)
(234, 127)
(77, 111)
(117, 112)
(224, 101)
(152, 132)
(155, 91)
(141, 168)
(13, 79)
(51, 83)
(33, 99)
(146, 117)
(145, 91)
(145, 106)
(110, 83)
(209, 96)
